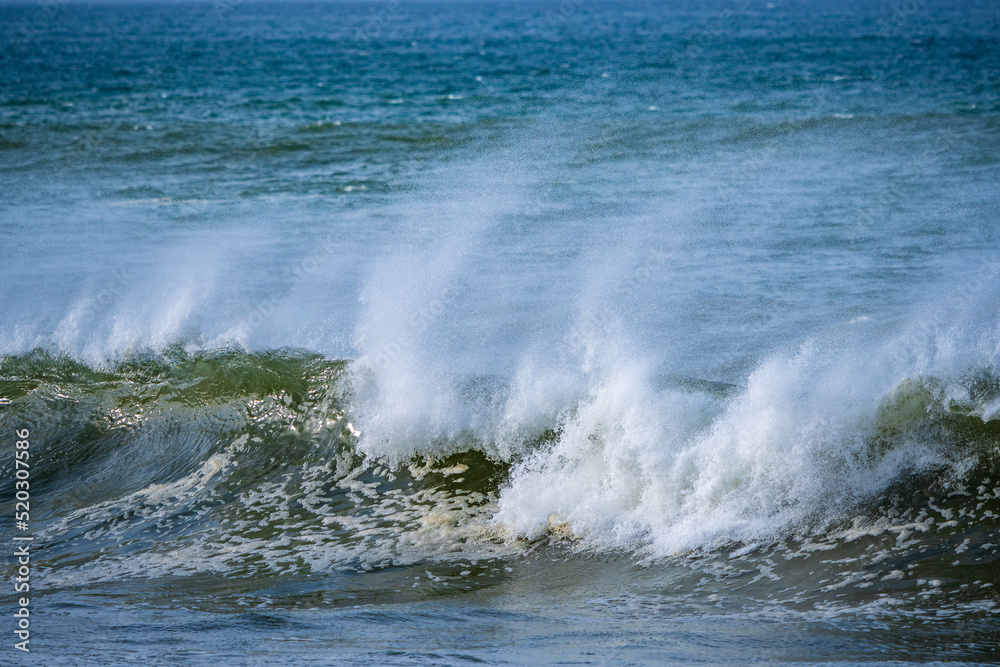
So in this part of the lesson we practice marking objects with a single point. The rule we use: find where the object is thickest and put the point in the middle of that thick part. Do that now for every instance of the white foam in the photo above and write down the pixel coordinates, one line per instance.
(635, 467)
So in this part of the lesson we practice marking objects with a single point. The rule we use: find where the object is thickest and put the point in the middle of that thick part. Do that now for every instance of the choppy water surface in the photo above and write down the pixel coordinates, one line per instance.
(511, 332)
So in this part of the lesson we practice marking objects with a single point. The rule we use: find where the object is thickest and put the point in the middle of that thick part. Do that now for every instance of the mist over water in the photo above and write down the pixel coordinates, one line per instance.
(628, 315)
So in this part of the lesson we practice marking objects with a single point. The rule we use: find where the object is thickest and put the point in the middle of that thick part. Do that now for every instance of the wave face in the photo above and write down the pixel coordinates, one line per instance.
(834, 476)
(231, 462)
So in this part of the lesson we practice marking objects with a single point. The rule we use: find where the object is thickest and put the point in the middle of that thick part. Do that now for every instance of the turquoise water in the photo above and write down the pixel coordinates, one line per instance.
(529, 332)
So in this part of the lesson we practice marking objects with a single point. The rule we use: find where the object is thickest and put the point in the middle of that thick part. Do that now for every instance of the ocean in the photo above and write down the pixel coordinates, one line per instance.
(511, 332)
